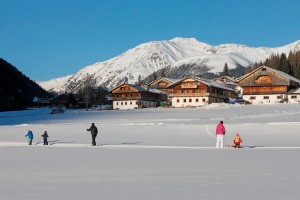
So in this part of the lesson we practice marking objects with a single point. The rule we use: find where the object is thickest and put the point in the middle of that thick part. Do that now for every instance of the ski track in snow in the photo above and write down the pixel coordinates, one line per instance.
(111, 146)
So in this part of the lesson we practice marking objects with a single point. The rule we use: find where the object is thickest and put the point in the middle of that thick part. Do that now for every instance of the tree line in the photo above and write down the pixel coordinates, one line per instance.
(289, 64)
(17, 90)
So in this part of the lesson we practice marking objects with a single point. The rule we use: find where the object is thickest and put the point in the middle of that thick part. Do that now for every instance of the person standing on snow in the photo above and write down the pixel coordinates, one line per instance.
(220, 132)
(94, 132)
(29, 135)
(237, 141)
(45, 138)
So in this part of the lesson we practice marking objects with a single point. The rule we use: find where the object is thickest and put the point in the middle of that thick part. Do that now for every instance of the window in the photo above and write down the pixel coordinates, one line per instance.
(203, 100)
(130, 102)
(184, 100)
(125, 103)
(252, 98)
(197, 100)
(279, 97)
(266, 97)
(190, 100)
(294, 97)
(178, 100)
(117, 103)
(122, 103)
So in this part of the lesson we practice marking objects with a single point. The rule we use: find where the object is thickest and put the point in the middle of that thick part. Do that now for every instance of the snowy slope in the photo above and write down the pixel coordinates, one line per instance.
(152, 56)
(161, 154)
(53, 84)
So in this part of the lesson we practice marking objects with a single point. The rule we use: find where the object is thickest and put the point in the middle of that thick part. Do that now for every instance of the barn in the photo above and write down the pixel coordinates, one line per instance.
(268, 85)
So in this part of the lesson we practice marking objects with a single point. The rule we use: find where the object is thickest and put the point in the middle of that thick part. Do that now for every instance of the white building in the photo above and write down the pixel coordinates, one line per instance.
(194, 92)
(129, 96)
(267, 85)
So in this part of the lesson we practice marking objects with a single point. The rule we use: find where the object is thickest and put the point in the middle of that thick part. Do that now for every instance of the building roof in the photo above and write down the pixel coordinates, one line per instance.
(285, 75)
(297, 91)
(165, 78)
(141, 88)
(210, 83)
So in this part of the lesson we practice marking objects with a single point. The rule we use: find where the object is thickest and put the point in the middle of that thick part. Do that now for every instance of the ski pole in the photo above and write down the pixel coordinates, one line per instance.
(38, 141)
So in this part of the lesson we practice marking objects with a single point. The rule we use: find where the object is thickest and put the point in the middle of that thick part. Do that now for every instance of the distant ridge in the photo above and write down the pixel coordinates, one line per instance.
(144, 59)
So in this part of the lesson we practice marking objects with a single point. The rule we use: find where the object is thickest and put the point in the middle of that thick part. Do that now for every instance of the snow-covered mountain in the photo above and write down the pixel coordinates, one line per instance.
(147, 58)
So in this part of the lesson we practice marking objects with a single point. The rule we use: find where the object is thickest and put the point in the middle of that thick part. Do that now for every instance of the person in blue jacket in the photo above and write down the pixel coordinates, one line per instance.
(30, 137)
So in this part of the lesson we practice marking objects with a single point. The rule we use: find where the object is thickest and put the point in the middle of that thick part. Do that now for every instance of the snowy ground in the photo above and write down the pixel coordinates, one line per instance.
(152, 154)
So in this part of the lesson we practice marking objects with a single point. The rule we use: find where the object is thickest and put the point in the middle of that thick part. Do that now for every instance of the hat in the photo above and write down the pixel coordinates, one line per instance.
(93, 124)
(221, 122)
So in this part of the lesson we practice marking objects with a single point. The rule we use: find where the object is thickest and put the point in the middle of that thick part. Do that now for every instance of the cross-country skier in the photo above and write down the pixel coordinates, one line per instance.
(94, 132)
(220, 132)
(29, 135)
(45, 138)
(237, 141)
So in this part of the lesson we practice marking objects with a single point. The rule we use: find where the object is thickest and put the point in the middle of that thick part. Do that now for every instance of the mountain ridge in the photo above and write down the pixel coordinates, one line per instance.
(146, 58)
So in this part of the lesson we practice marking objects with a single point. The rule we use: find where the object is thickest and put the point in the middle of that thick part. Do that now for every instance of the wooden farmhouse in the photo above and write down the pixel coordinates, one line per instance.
(162, 84)
(128, 96)
(231, 83)
(267, 85)
(193, 92)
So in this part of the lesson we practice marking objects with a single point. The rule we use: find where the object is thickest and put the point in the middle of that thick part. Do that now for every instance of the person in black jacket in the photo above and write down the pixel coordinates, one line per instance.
(45, 137)
(94, 132)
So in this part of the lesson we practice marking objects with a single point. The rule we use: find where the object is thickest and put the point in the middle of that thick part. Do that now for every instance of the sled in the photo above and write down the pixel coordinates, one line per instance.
(231, 146)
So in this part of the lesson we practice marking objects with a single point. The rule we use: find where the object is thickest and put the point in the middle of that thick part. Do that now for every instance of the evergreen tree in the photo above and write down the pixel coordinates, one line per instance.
(273, 61)
(140, 81)
(101, 96)
(248, 69)
(154, 76)
(163, 73)
(225, 70)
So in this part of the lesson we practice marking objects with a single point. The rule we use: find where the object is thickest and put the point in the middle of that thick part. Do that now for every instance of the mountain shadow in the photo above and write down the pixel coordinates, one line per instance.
(17, 90)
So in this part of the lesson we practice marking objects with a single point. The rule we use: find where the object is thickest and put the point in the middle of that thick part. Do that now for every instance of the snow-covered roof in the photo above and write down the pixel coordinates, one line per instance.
(153, 90)
(140, 88)
(297, 91)
(131, 85)
(171, 79)
(285, 75)
(165, 78)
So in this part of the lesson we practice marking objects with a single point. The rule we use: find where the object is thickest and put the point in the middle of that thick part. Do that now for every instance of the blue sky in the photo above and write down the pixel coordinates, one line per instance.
(53, 38)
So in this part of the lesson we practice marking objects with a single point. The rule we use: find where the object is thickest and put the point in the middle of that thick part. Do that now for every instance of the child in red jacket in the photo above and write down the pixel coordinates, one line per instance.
(237, 141)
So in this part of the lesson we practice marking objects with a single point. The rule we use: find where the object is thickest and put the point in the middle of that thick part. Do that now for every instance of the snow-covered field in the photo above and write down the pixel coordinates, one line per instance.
(152, 154)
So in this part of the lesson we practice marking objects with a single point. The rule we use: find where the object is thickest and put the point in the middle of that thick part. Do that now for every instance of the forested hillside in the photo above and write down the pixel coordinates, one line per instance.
(17, 90)
(289, 64)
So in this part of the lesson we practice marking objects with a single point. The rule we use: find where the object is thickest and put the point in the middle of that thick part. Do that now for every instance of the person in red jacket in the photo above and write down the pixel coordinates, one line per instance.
(237, 141)
(220, 132)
